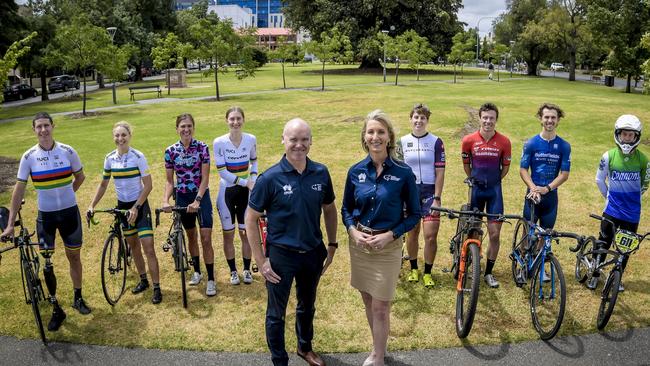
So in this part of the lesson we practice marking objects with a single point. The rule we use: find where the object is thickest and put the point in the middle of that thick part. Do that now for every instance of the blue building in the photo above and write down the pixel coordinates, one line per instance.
(267, 13)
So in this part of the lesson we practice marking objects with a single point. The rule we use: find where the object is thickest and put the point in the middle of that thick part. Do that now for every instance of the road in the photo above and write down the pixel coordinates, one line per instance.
(619, 83)
(629, 347)
(54, 96)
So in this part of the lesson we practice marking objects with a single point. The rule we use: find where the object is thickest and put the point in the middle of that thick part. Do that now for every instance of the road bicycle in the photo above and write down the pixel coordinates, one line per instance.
(533, 261)
(116, 255)
(262, 224)
(465, 247)
(625, 244)
(29, 267)
(177, 244)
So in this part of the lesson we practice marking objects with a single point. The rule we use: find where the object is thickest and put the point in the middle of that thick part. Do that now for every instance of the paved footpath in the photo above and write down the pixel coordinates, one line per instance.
(629, 347)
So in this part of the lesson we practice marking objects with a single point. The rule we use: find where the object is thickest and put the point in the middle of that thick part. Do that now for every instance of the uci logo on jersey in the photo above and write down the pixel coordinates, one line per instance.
(317, 187)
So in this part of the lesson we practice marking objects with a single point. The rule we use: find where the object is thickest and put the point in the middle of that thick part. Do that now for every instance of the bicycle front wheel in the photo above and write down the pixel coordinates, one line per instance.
(519, 248)
(467, 297)
(583, 263)
(113, 268)
(181, 252)
(32, 289)
(608, 298)
(547, 297)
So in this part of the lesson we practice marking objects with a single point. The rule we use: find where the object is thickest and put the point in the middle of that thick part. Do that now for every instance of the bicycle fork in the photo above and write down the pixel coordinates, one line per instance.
(463, 262)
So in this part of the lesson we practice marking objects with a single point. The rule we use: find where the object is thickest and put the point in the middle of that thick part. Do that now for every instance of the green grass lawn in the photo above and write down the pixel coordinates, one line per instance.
(234, 320)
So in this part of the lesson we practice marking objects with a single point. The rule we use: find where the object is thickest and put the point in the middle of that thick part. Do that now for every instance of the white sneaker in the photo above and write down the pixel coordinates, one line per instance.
(491, 281)
(211, 289)
(248, 277)
(234, 278)
(196, 279)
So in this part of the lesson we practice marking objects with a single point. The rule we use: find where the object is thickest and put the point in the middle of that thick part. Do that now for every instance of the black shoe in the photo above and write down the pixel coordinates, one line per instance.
(58, 316)
(81, 306)
(157, 296)
(141, 286)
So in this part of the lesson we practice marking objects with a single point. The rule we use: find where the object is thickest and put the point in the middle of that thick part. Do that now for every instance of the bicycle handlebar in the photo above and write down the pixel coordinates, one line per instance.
(452, 214)
(113, 211)
(176, 209)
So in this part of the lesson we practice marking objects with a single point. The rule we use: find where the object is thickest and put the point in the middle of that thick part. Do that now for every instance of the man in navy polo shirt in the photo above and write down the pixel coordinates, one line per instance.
(293, 193)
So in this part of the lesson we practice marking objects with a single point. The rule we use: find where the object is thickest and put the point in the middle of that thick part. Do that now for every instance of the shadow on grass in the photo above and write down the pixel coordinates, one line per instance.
(629, 316)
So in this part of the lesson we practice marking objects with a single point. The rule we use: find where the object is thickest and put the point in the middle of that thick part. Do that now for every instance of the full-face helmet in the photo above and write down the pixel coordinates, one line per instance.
(627, 122)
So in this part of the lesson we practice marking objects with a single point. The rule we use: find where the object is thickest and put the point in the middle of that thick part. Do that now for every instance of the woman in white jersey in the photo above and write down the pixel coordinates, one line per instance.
(129, 168)
(425, 154)
(235, 155)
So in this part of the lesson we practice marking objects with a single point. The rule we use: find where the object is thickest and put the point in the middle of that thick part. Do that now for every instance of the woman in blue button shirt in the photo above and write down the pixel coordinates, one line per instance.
(376, 190)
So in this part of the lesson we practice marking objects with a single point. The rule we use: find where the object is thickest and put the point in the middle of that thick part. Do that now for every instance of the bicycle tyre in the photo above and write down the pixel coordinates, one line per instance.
(547, 319)
(467, 298)
(32, 292)
(113, 268)
(181, 252)
(608, 299)
(519, 243)
(583, 264)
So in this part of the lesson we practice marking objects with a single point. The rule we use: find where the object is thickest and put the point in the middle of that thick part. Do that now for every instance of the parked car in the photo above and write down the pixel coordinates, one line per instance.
(63, 82)
(19, 92)
(556, 66)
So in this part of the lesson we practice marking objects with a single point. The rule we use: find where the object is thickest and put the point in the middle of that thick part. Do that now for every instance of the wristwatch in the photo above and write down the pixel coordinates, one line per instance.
(198, 198)
(333, 245)
(138, 207)
(436, 198)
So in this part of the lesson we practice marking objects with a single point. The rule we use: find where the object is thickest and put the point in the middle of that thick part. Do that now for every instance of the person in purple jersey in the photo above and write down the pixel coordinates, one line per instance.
(189, 160)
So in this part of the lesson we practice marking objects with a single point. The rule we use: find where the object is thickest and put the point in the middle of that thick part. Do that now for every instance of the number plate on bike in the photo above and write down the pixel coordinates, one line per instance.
(627, 241)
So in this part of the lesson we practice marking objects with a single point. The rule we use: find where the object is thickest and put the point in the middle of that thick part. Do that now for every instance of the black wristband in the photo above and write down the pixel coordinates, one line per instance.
(198, 198)
(548, 186)
(334, 245)
(436, 198)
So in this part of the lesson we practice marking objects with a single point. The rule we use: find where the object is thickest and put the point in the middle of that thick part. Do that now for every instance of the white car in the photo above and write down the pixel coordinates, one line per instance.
(556, 66)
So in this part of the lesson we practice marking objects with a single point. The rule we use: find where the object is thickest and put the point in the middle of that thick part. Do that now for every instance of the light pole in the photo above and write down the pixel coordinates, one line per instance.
(385, 32)
(512, 44)
(478, 24)
(111, 32)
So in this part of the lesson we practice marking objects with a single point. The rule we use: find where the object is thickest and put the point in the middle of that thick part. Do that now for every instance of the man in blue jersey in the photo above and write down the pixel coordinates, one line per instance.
(548, 157)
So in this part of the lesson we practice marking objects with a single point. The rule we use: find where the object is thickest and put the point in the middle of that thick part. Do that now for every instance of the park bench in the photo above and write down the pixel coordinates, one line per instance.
(144, 89)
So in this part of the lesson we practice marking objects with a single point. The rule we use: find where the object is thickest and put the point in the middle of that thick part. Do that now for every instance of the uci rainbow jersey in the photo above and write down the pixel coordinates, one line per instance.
(236, 164)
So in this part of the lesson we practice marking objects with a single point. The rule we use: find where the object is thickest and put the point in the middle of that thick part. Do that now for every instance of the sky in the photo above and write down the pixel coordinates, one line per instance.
(473, 10)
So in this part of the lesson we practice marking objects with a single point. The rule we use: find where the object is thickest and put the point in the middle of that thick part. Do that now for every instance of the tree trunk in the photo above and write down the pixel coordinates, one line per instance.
(100, 80)
(216, 80)
(417, 72)
(629, 82)
(44, 92)
(169, 87)
(284, 82)
(454, 73)
(322, 83)
(396, 72)
(83, 111)
(572, 65)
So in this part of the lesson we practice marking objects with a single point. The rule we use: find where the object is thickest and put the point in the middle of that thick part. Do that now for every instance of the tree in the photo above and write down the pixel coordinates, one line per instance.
(463, 49)
(115, 66)
(645, 42)
(620, 25)
(520, 24)
(221, 45)
(168, 53)
(418, 50)
(333, 46)
(10, 58)
(11, 24)
(80, 46)
(285, 52)
(361, 20)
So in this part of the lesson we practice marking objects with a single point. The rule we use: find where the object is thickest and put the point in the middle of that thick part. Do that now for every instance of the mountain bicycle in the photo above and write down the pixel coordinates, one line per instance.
(465, 246)
(625, 243)
(116, 255)
(533, 261)
(177, 244)
(29, 267)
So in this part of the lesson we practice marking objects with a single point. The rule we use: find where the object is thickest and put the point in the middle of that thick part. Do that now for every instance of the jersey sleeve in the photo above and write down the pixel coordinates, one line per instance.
(329, 190)
(602, 173)
(466, 150)
(439, 158)
(204, 155)
(143, 166)
(526, 154)
(565, 163)
(107, 168)
(253, 167)
(261, 194)
(506, 152)
(23, 169)
(169, 162)
(75, 162)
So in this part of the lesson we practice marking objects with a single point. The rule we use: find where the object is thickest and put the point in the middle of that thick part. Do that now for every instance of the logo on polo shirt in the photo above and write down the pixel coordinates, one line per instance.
(317, 187)
(287, 189)
(393, 178)
(362, 177)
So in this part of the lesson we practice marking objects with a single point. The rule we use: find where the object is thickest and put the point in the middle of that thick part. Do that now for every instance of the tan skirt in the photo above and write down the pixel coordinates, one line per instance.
(376, 271)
